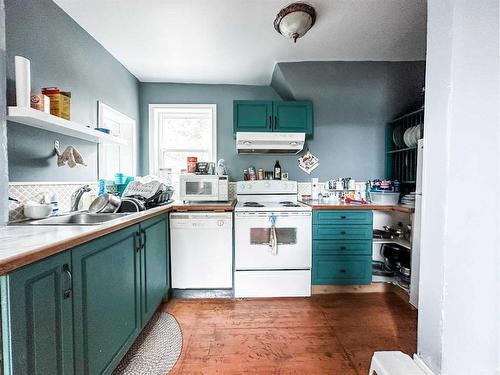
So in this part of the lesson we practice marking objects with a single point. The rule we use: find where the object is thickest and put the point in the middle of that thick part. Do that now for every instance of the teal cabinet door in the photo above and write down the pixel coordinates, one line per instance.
(106, 301)
(39, 301)
(252, 116)
(154, 265)
(342, 270)
(294, 117)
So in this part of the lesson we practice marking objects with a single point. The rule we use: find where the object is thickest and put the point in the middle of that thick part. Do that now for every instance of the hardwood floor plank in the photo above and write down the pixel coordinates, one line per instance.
(324, 334)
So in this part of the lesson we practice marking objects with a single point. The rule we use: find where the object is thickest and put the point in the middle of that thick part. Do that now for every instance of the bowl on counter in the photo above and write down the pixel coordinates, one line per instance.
(384, 197)
(34, 210)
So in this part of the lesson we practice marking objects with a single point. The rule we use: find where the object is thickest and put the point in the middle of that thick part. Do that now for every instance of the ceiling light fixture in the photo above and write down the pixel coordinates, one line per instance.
(295, 20)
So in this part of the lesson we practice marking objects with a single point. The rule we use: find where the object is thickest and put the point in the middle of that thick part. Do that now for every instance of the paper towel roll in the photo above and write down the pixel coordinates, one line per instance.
(23, 81)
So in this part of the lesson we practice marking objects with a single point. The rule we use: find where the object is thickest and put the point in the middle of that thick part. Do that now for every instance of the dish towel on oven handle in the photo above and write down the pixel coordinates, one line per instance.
(273, 238)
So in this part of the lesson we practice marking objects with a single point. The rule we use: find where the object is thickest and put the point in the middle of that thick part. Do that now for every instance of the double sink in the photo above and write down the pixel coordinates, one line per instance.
(77, 218)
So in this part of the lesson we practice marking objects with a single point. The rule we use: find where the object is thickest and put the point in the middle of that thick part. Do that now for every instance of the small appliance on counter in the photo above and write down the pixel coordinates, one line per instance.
(204, 188)
(139, 196)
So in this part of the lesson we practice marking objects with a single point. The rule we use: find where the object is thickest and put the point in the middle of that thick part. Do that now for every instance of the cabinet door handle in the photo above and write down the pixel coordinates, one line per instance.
(275, 122)
(270, 122)
(143, 236)
(138, 241)
(67, 292)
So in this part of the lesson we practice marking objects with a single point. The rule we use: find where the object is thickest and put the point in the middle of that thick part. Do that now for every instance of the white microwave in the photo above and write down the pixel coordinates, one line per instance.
(204, 187)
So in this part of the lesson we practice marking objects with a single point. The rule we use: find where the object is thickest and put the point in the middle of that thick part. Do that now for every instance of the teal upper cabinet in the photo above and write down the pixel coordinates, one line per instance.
(154, 265)
(294, 117)
(268, 116)
(40, 313)
(252, 115)
(106, 300)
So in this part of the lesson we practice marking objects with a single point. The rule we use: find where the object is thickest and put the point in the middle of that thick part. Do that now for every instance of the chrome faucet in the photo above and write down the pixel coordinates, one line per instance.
(77, 196)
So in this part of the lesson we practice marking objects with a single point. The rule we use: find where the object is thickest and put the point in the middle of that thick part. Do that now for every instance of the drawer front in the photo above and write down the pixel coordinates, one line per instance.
(342, 217)
(334, 247)
(342, 232)
(343, 270)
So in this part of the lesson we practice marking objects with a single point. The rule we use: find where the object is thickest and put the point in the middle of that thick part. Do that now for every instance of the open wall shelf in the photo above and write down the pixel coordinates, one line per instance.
(46, 121)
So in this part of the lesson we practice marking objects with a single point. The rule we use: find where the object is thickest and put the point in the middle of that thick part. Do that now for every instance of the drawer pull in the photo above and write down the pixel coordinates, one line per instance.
(343, 217)
(343, 271)
(343, 247)
(343, 232)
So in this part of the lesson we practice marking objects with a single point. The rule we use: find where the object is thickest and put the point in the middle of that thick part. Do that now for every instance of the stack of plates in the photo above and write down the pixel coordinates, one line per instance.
(409, 138)
(409, 199)
(412, 135)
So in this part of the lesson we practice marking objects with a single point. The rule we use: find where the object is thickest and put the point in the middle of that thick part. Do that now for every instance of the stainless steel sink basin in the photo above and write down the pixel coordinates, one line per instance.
(80, 218)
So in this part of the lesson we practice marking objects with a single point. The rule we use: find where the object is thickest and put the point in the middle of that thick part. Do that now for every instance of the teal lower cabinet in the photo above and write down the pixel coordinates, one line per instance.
(154, 266)
(107, 299)
(37, 318)
(342, 247)
(79, 312)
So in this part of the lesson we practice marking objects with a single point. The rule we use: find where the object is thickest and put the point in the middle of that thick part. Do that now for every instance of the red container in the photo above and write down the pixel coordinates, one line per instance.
(191, 164)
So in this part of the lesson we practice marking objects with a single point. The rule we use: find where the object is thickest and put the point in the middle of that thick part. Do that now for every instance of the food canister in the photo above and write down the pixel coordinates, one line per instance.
(191, 164)
(261, 173)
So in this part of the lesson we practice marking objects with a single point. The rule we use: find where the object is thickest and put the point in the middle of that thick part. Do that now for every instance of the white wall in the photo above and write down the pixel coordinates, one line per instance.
(3, 125)
(458, 330)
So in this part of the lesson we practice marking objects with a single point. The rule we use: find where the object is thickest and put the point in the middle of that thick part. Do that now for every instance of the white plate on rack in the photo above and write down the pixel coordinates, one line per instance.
(407, 136)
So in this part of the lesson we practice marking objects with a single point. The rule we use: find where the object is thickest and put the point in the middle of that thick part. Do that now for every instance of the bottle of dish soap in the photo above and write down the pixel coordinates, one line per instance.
(54, 201)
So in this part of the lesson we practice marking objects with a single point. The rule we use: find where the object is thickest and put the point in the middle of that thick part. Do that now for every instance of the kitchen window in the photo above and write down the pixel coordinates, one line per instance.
(114, 157)
(177, 131)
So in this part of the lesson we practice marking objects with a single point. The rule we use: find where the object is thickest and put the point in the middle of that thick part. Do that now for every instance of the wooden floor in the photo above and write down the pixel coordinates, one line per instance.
(325, 334)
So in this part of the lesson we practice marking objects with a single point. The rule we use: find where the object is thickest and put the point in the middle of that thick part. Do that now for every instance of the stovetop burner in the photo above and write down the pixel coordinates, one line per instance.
(252, 204)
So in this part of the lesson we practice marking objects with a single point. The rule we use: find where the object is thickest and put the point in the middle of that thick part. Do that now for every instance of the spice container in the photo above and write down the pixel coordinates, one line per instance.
(40, 102)
(191, 164)
(60, 102)
(261, 173)
(252, 173)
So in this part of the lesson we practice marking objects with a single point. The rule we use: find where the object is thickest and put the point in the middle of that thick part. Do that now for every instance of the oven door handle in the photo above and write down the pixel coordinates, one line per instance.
(273, 240)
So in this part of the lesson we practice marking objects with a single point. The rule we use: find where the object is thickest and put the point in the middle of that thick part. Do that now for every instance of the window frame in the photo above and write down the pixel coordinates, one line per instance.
(117, 116)
(154, 110)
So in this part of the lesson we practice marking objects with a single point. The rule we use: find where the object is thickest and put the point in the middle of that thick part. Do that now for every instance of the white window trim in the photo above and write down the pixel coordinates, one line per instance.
(153, 130)
(118, 117)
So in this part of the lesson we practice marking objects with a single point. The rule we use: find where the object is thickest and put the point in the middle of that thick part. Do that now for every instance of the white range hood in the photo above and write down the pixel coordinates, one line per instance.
(269, 142)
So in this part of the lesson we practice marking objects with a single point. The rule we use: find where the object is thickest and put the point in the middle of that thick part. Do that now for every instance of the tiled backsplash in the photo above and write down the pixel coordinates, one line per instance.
(33, 191)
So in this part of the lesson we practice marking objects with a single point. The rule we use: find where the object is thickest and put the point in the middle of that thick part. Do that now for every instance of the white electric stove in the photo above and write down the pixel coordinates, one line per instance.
(273, 245)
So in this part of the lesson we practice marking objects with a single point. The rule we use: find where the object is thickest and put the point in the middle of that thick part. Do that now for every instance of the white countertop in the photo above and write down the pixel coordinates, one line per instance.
(24, 244)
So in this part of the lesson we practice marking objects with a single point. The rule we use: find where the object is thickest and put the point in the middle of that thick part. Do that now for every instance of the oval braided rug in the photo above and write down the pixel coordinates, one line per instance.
(156, 350)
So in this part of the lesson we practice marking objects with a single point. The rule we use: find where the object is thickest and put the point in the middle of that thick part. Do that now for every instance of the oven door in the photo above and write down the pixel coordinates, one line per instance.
(254, 234)
(199, 188)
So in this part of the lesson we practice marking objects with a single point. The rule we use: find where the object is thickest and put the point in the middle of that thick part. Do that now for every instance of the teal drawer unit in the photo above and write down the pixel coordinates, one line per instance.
(342, 217)
(339, 269)
(342, 232)
(334, 247)
(342, 247)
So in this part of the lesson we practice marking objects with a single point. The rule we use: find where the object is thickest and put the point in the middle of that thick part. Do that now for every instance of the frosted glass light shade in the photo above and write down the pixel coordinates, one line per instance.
(295, 25)
(295, 20)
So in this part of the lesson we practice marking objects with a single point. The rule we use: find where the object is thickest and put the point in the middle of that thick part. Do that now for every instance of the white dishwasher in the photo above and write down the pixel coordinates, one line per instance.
(201, 250)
